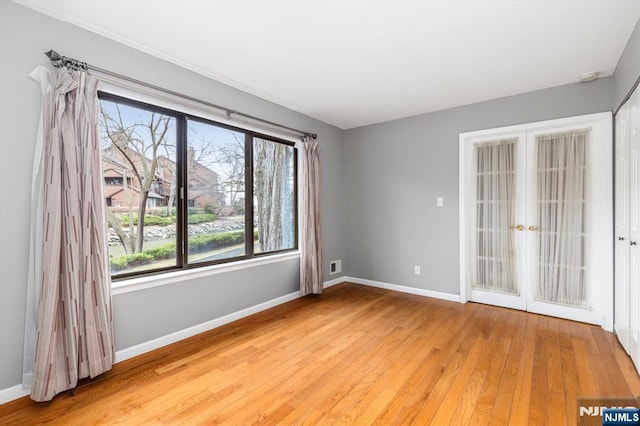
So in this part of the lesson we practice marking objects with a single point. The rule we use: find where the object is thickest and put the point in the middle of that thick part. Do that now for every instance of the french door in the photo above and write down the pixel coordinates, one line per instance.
(536, 218)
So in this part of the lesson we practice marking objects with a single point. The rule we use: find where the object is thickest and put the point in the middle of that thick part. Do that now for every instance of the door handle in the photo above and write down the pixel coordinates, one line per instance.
(534, 228)
(632, 243)
(620, 238)
(518, 227)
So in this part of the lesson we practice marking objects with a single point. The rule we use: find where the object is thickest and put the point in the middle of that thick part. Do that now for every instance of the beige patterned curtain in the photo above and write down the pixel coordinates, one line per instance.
(310, 239)
(70, 280)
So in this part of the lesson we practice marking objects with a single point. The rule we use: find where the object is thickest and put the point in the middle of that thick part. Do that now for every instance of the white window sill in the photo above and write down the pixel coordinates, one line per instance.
(142, 283)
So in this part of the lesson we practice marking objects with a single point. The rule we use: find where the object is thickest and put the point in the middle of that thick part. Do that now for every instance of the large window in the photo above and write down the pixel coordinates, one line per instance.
(183, 192)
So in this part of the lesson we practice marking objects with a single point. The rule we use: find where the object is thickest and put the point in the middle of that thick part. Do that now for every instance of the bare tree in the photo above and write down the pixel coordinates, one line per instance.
(269, 173)
(231, 158)
(138, 144)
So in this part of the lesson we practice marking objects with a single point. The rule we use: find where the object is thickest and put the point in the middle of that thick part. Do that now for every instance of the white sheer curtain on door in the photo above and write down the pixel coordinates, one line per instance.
(561, 175)
(495, 256)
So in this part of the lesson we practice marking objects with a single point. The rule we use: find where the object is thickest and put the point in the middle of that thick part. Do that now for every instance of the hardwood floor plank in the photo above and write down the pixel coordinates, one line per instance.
(357, 355)
(586, 378)
(556, 409)
(614, 376)
(447, 346)
(539, 400)
(628, 370)
(504, 397)
(487, 397)
(525, 378)
(470, 393)
(388, 366)
(458, 370)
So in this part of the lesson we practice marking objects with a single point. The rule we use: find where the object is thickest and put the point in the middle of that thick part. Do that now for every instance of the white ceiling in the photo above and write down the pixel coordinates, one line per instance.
(353, 63)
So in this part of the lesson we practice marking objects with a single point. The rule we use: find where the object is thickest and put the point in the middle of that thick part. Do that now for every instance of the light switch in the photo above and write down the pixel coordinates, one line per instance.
(439, 201)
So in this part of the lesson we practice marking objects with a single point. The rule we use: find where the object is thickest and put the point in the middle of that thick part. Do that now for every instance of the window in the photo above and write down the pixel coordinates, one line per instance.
(112, 181)
(206, 192)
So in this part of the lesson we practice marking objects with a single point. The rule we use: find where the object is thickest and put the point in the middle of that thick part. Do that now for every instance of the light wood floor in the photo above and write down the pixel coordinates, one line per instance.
(358, 355)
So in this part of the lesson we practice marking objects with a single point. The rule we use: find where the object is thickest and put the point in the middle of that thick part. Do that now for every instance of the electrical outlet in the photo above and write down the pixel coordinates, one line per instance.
(416, 270)
(335, 267)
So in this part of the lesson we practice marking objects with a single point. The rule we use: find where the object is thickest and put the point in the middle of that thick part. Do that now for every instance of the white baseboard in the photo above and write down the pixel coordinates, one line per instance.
(334, 281)
(404, 289)
(14, 392)
(159, 342)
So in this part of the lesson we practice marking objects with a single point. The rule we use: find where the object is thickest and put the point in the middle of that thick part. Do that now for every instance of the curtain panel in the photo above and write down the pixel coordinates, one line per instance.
(310, 236)
(561, 182)
(495, 253)
(69, 286)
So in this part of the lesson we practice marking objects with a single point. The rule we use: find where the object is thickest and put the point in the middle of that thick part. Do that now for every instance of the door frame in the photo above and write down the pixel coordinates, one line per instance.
(602, 123)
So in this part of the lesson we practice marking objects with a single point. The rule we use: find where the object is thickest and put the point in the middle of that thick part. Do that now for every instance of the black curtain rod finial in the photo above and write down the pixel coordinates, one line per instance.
(53, 55)
(60, 61)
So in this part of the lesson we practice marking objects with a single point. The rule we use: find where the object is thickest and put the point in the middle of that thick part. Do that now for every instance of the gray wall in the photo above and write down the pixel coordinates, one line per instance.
(627, 71)
(395, 170)
(146, 314)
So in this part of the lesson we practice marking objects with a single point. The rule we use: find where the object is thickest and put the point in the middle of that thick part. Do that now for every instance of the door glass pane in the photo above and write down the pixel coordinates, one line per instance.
(561, 204)
(215, 192)
(273, 195)
(495, 256)
(139, 170)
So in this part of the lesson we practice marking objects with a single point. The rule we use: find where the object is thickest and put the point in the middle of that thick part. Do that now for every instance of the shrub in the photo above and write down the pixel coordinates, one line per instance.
(168, 212)
(118, 263)
(202, 218)
(149, 220)
(121, 262)
(139, 258)
(168, 251)
(213, 241)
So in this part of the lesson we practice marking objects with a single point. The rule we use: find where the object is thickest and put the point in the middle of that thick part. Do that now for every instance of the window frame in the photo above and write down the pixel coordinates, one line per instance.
(182, 119)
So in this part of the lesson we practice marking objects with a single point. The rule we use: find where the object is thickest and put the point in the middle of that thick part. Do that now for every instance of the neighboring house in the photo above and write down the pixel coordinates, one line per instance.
(118, 198)
(121, 185)
(202, 185)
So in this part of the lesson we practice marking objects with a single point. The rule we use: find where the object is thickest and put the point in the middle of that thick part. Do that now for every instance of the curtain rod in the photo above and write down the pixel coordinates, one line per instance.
(59, 61)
